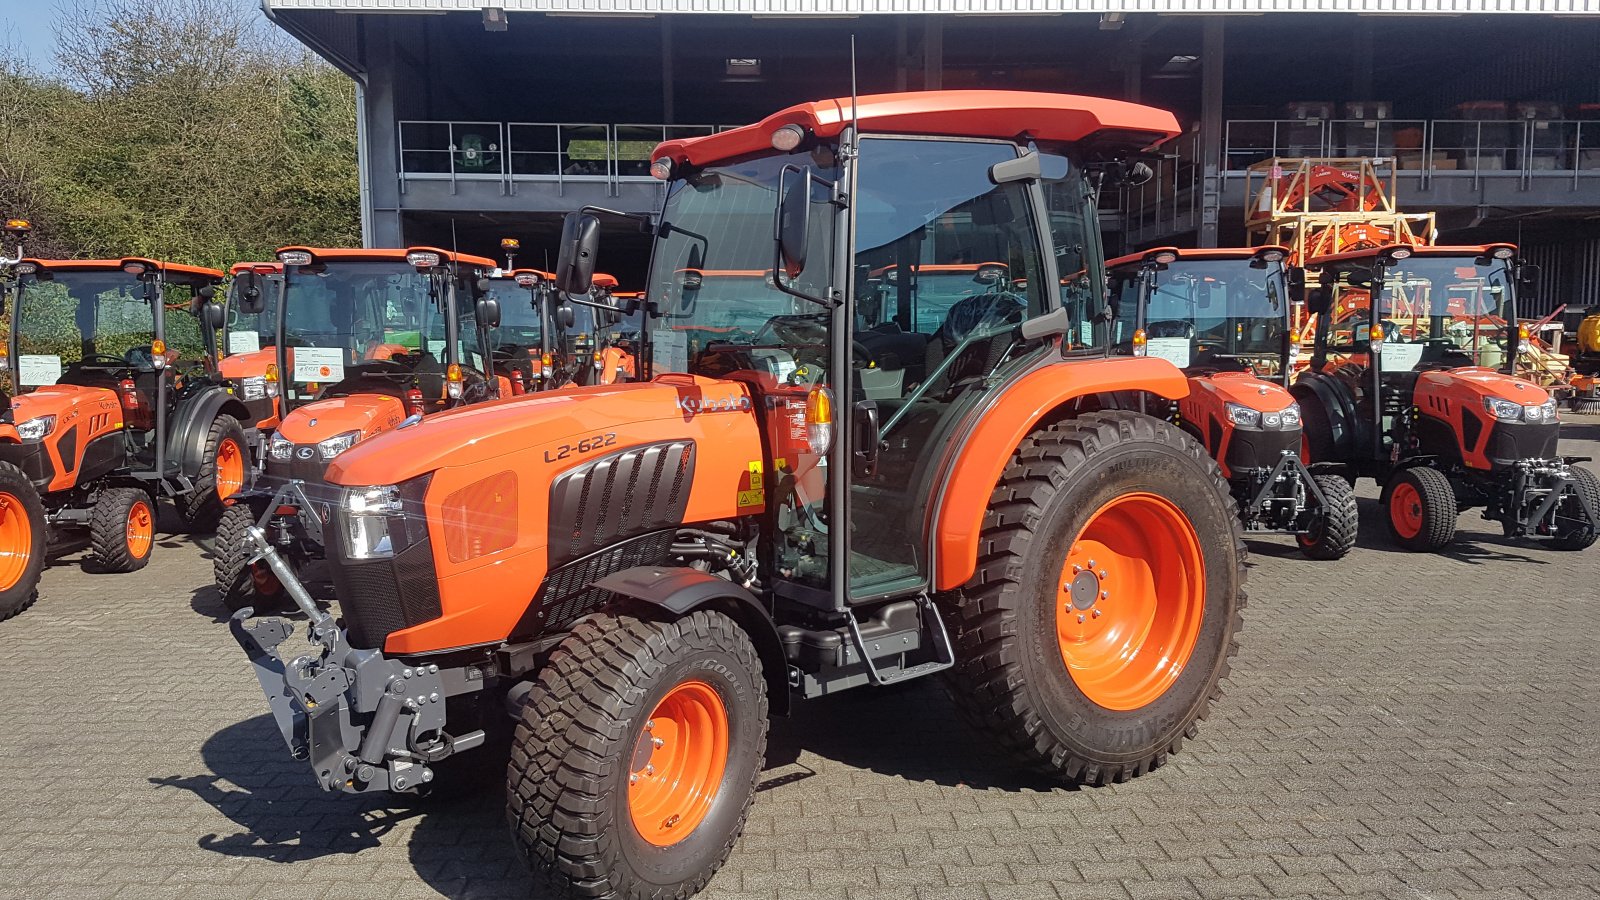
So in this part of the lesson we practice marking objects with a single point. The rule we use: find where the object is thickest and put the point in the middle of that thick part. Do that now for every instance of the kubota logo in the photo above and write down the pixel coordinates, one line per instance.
(692, 405)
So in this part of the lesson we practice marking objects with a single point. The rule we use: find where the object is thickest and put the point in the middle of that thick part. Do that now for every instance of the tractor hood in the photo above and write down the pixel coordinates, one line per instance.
(521, 425)
(61, 399)
(248, 365)
(1244, 389)
(368, 414)
(1475, 384)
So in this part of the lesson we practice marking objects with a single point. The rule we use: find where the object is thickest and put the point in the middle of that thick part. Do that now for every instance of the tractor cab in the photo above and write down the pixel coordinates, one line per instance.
(595, 345)
(249, 340)
(522, 345)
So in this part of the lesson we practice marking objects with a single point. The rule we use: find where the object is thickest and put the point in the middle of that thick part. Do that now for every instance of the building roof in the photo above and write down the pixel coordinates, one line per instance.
(996, 114)
(803, 8)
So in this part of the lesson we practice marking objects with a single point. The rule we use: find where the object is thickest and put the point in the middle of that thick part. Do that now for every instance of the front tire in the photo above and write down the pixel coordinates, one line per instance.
(599, 808)
(23, 538)
(1333, 534)
(224, 469)
(1421, 509)
(122, 529)
(1098, 627)
(240, 582)
(1580, 536)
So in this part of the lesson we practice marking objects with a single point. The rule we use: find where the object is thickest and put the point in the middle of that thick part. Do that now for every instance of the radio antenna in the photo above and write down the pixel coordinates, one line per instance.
(855, 108)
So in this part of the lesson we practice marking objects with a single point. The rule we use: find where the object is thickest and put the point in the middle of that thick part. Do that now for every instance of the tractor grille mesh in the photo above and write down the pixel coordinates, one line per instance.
(567, 595)
(619, 496)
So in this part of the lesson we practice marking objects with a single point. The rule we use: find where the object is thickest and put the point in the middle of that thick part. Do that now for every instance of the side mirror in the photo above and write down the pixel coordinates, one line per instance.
(580, 246)
(1030, 166)
(488, 312)
(1318, 298)
(483, 285)
(564, 316)
(245, 294)
(213, 316)
(794, 220)
(1527, 275)
(201, 299)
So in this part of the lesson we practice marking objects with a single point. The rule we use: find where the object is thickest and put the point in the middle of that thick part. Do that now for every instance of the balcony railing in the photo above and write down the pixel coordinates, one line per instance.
(552, 152)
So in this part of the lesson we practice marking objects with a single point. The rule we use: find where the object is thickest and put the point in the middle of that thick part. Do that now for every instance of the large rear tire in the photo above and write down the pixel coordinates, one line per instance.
(1098, 627)
(224, 469)
(23, 539)
(636, 758)
(1333, 534)
(122, 529)
(1421, 509)
(1577, 537)
(240, 582)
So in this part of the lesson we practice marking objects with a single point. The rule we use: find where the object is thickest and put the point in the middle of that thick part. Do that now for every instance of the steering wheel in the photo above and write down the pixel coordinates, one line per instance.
(861, 357)
(120, 361)
(394, 363)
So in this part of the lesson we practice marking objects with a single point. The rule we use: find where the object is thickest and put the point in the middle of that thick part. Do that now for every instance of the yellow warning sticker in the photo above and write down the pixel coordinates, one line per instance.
(781, 463)
(752, 498)
(755, 476)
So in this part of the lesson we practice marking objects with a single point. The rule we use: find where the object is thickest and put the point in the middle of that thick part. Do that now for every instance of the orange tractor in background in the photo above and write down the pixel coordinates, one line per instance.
(118, 403)
(23, 533)
(365, 341)
(248, 351)
(640, 574)
(1411, 384)
(1223, 317)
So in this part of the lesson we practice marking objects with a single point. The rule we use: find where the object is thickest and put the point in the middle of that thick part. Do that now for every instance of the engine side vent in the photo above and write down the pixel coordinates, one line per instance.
(618, 496)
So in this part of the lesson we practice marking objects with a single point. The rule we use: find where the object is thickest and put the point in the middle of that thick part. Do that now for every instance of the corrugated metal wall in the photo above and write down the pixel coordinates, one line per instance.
(1569, 272)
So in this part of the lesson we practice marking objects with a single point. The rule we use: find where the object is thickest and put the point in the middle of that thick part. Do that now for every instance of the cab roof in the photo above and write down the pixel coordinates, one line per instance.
(1426, 250)
(356, 254)
(259, 267)
(1196, 253)
(989, 114)
(170, 271)
(602, 280)
(543, 275)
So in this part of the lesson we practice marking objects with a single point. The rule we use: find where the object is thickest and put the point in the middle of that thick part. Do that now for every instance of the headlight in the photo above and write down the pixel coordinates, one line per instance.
(337, 444)
(1545, 411)
(1243, 416)
(280, 447)
(1291, 416)
(1550, 409)
(368, 514)
(254, 388)
(36, 428)
(1504, 410)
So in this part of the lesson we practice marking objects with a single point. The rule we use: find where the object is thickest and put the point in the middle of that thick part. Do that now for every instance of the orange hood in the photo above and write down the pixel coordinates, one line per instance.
(1479, 382)
(1244, 389)
(60, 399)
(483, 431)
(367, 413)
(248, 365)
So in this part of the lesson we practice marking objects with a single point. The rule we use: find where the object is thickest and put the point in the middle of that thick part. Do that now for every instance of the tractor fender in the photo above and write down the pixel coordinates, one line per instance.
(191, 422)
(681, 590)
(995, 428)
(1335, 398)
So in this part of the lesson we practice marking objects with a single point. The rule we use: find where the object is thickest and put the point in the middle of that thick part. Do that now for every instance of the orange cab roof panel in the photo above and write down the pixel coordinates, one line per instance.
(543, 275)
(993, 114)
(1429, 250)
(259, 267)
(1195, 253)
(602, 280)
(173, 271)
(357, 254)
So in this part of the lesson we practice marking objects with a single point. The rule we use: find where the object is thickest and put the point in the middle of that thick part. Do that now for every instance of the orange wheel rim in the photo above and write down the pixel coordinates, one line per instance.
(141, 529)
(1405, 510)
(1130, 601)
(230, 468)
(16, 540)
(678, 763)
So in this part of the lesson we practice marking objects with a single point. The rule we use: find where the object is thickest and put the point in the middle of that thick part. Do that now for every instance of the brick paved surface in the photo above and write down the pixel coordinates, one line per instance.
(1429, 730)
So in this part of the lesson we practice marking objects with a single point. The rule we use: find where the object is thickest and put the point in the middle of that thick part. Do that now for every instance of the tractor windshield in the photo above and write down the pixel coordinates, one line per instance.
(1450, 309)
(101, 319)
(709, 273)
(1200, 312)
(249, 332)
(521, 321)
(371, 317)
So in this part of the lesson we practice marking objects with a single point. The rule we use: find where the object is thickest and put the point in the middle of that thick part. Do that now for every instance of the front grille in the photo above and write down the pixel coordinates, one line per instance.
(1259, 449)
(382, 596)
(1511, 441)
(566, 595)
(618, 496)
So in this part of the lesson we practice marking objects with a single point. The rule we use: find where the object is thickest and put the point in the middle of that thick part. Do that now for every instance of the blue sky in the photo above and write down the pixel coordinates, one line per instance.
(30, 23)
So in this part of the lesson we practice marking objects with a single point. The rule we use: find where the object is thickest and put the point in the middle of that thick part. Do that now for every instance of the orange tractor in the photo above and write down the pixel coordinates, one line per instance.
(117, 403)
(1411, 384)
(641, 573)
(23, 533)
(1223, 317)
(248, 352)
(365, 340)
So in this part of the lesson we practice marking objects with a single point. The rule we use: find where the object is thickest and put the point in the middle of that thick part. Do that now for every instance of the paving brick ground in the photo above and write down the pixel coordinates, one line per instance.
(1397, 725)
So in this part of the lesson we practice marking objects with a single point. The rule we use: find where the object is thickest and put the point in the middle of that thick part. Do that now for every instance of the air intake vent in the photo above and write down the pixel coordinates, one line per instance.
(618, 496)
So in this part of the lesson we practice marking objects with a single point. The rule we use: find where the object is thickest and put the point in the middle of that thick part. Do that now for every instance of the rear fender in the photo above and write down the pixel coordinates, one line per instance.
(996, 428)
(680, 591)
(1334, 397)
(193, 423)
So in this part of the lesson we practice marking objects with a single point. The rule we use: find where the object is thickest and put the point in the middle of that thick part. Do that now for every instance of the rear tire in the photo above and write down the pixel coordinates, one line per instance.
(240, 582)
(1030, 667)
(224, 470)
(1420, 507)
(1334, 533)
(23, 540)
(573, 805)
(122, 529)
(1579, 537)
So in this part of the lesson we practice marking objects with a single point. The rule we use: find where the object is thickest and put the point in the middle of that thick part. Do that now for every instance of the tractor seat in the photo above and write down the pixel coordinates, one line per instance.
(1170, 328)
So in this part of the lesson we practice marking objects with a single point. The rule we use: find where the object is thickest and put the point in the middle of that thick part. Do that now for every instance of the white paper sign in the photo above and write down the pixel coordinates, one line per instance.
(437, 349)
(243, 342)
(669, 350)
(1174, 350)
(39, 368)
(318, 364)
(1400, 357)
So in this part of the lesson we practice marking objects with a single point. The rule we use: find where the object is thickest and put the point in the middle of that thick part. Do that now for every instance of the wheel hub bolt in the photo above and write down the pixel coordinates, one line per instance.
(1080, 619)
(657, 742)
(1102, 573)
(1097, 614)
(633, 778)
(649, 770)
(649, 724)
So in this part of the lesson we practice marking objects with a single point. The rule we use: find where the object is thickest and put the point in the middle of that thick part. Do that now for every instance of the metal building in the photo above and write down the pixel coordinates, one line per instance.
(486, 121)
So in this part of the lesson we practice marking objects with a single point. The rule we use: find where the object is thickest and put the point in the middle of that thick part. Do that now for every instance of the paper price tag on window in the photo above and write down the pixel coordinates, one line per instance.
(243, 342)
(39, 368)
(318, 364)
(1400, 357)
(1174, 350)
(437, 349)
